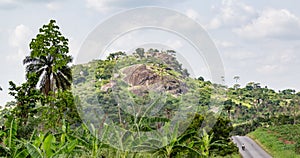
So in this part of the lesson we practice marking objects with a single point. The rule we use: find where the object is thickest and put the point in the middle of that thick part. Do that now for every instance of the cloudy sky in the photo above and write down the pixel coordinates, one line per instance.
(258, 40)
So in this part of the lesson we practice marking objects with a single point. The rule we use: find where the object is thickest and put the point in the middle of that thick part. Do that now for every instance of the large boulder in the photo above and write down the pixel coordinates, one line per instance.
(142, 79)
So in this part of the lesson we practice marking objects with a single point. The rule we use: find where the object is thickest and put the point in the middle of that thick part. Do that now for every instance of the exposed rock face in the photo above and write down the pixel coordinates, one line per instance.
(107, 86)
(140, 75)
(143, 79)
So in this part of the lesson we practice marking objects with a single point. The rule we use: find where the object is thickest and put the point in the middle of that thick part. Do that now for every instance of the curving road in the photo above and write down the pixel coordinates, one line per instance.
(252, 149)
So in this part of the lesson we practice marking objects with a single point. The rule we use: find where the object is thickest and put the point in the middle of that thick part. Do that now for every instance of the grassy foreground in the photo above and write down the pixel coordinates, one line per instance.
(279, 141)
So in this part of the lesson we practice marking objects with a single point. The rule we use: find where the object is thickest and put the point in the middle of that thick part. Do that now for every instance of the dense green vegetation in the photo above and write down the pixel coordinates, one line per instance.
(78, 111)
(254, 106)
(280, 141)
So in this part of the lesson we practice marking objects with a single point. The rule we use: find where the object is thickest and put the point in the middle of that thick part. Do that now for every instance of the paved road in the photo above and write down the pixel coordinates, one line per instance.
(252, 149)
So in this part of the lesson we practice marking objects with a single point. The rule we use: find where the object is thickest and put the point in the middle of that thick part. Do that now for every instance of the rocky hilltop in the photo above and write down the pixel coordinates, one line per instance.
(142, 78)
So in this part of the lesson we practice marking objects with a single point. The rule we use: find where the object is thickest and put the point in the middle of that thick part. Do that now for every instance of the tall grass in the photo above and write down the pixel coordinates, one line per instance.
(274, 140)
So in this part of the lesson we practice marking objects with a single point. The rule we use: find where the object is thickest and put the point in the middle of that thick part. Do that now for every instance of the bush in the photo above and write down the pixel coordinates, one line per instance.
(297, 147)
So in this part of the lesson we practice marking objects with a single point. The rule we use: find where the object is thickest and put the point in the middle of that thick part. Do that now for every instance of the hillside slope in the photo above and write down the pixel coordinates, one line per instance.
(280, 141)
(147, 92)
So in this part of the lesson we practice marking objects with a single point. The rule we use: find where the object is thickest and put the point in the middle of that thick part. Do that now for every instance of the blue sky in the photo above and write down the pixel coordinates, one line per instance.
(258, 40)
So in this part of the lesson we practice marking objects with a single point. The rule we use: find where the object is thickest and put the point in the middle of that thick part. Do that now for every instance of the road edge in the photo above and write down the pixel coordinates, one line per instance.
(260, 144)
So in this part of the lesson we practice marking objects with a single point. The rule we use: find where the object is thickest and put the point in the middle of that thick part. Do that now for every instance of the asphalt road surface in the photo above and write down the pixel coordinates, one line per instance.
(252, 150)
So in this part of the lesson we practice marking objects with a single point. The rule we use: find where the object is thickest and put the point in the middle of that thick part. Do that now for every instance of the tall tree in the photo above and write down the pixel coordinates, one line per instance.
(49, 59)
(140, 52)
(228, 105)
(236, 78)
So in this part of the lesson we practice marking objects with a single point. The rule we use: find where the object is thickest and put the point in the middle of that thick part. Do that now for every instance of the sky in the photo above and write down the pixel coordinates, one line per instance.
(257, 40)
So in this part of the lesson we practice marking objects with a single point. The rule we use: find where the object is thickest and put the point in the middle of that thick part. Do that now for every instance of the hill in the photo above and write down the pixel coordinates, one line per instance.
(254, 106)
(146, 91)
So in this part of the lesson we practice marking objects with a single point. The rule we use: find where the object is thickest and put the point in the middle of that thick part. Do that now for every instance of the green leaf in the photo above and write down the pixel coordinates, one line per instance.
(34, 151)
(47, 145)
(12, 134)
(67, 148)
(183, 147)
(62, 140)
(71, 145)
(23, 153)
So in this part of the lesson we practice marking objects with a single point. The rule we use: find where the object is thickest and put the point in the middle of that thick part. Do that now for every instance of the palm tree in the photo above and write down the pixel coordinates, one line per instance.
(49, 60)
(43, 68)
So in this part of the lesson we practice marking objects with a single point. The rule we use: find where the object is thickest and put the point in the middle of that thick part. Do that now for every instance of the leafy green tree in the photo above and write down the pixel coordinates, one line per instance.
(200, 78)
(47, 64)
(221, 131)
(140, 52)
(49, 59)
(64, 109)
(228, 106)
(26, 97)
(250, 86)
(115, 56)
(105, 69)
(236, 86)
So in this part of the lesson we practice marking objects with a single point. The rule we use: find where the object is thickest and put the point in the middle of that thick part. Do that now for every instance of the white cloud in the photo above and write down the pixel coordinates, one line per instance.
(240, 55)
(288, 56)
(53, 6)
(11, 4)
(214, 23)
(269, 69)
(107, 5)
(272, 23)
(19, 38)
(4, 2)
(7, 4)
(174, 44)
(99, 5)
(191, 13)
(231, 13)
(224, 44)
